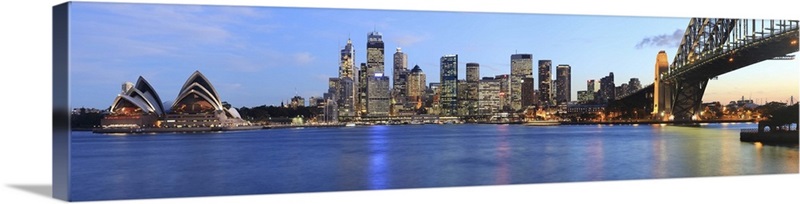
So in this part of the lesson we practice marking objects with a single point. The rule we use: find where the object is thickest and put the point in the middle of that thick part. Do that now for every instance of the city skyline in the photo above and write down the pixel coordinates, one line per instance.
(263, 55)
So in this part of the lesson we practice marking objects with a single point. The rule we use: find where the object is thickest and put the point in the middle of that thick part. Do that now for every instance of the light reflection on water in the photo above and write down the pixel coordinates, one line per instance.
(381, 157)
(377, 169)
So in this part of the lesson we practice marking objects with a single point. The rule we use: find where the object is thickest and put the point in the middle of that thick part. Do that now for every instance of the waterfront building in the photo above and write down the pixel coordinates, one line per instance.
(378, 95)
(83, 110)
(521, 68)
(449, 85)
(563, 87)
(416, 87)
(489, 96)
(197, 106)
(545, 83)
(585, 97)
(136, 106)
(584, 112)
(504, 80)
(297, 101)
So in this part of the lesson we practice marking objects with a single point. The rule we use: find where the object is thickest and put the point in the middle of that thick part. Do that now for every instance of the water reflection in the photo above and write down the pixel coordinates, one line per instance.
(596, 156)
(377, 165)
(502, 152)
(381, 157)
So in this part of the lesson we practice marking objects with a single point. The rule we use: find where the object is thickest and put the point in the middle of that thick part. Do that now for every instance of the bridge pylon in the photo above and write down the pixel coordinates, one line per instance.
(662, 91)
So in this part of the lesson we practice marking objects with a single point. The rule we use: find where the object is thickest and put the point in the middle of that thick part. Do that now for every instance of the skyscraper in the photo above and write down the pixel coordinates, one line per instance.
(473, 72)
(361, 105)
(472, 82)
(333, 88)
(463, 102)
(347, 94)
(434, 92)
(399, 80)
(347, 66)
(528, 92)
(563, 88)
(488, 96)
(521, 68)
(505, 103)
(375, 68)
(375, 53)
(378, 95)
(607, 90)
(620, 91)
(449, 85)
(416, 87)
(545, 83)
(634, 85)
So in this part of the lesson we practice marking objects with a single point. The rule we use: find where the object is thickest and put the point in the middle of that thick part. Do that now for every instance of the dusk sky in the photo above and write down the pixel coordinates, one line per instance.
(263, 55)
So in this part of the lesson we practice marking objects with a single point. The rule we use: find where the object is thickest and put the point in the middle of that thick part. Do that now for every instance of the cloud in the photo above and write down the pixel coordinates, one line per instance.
(303, 58)
(662, 41)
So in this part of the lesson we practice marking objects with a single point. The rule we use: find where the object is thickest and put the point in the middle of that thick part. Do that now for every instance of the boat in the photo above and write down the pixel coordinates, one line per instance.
(542, 123)
(350, 125)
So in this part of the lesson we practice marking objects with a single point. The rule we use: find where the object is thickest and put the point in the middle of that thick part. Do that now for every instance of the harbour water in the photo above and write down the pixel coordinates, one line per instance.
(108, 166)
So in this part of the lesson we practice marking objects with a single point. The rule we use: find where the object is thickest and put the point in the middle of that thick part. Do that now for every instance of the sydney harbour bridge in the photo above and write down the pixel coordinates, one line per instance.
(710, 47)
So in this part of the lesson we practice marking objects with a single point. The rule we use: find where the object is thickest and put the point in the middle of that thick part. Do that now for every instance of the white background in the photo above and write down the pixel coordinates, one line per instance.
(25, 144)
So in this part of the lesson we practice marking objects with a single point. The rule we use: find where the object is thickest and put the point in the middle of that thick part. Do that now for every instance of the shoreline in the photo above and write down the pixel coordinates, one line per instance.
(217, 129)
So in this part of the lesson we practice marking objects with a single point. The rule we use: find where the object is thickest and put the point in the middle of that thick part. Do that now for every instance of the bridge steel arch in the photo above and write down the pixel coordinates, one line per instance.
(714, 46)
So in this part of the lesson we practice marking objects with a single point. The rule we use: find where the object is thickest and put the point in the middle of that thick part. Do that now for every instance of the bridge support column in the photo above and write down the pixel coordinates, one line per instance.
(662, 92)
(687, 98)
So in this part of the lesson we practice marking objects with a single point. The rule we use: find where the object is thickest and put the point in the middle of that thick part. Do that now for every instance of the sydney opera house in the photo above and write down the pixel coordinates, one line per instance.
(196, 108)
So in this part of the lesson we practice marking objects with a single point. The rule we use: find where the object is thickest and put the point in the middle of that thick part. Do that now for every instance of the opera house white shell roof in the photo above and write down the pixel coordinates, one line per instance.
(197, 96)
(141, 99)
